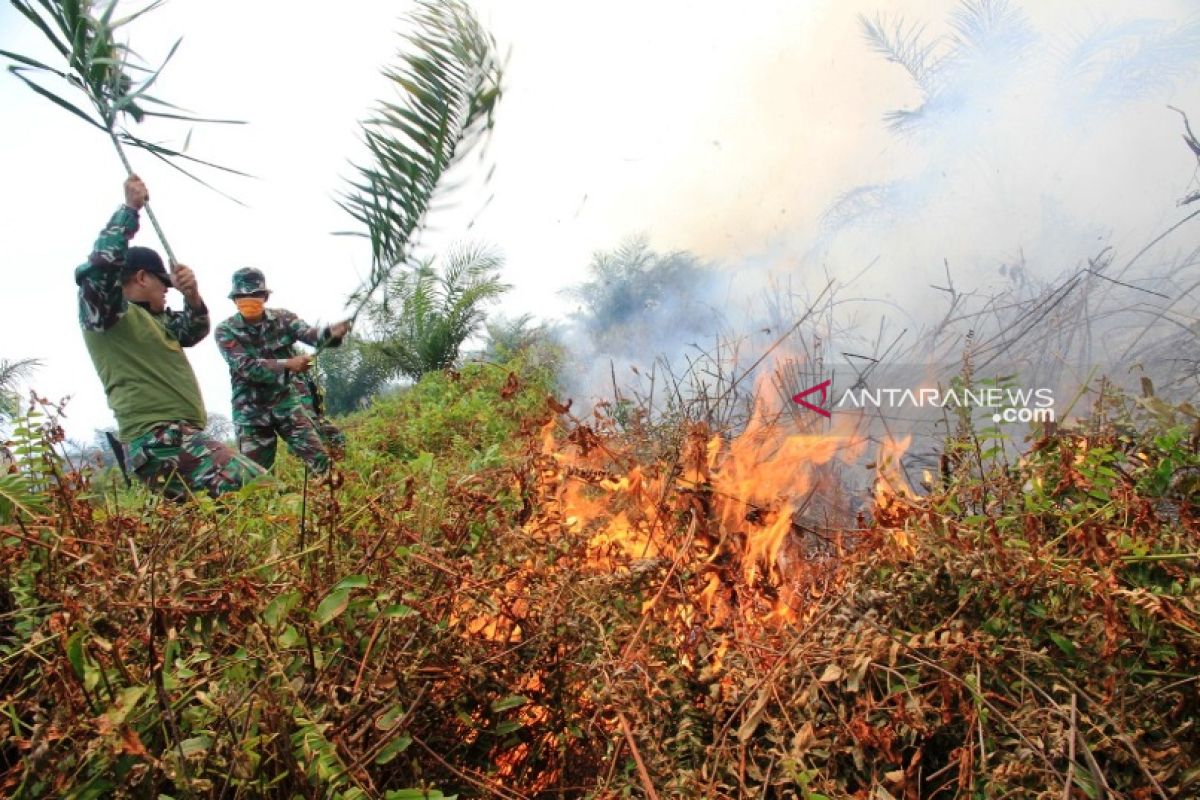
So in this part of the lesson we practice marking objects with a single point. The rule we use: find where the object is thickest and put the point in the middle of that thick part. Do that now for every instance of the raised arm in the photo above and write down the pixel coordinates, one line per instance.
(101, 301)
(192, 324)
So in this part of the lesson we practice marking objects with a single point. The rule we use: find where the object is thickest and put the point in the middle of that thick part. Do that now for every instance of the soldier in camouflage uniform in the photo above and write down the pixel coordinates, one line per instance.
(136, 344)
(272, 393)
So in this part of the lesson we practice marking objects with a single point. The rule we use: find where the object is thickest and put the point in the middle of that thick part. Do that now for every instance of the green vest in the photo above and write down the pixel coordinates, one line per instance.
(145, 373)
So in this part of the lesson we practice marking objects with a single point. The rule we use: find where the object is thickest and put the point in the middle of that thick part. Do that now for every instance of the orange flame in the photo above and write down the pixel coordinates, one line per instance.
(893, 495)
(767, 478)
(749, 499)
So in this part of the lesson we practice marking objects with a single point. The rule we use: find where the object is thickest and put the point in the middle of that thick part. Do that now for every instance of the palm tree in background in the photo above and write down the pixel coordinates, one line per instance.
(633, 293)
(988, 50)
(428, 312)
(984, 47)
(353, 374)
(10, 373)
(508, 337)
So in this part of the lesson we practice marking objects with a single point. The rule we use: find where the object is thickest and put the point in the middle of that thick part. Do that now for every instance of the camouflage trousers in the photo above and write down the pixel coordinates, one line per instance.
(174, 458)
(257, 431)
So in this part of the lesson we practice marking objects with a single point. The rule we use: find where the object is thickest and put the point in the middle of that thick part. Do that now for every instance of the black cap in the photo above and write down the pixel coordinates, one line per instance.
(143, 258)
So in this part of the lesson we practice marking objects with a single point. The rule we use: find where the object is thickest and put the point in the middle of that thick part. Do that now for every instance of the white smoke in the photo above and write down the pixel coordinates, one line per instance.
(992, 145)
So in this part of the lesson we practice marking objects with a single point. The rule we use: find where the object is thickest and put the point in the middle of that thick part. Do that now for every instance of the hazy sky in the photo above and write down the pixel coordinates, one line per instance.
(727, 130)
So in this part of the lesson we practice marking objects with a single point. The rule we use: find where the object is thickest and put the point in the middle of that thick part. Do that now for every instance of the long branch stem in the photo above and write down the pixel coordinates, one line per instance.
(149, 212)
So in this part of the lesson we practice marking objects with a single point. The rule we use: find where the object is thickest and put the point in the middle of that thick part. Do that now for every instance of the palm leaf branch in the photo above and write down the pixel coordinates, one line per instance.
(448, 81)
(101, 69)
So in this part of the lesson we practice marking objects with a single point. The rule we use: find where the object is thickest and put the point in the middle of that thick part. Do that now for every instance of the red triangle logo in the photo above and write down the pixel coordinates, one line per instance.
(822, 387)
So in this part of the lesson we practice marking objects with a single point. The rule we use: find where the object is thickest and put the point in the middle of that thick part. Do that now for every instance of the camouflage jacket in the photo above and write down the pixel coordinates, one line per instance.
(256, 353)
(138, 354)
(101, 301)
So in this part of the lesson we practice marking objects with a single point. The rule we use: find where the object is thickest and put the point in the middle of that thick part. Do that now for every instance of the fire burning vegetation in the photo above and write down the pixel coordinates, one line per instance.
(497, 594)
(563, 606)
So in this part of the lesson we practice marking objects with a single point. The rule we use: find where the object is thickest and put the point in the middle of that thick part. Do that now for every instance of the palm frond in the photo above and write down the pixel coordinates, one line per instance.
(863, 206)
(10, 373)
(19, 496)
(1118, 63)
(97, 73)
(449, 82)
(987, 42)
(993, 29)
(903, 45)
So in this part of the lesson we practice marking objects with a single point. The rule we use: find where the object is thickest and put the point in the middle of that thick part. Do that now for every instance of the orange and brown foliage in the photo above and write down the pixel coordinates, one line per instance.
(504, 601)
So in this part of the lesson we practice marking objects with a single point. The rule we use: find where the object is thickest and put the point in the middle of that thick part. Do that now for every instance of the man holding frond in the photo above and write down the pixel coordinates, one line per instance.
(273, 393)
(136, 344)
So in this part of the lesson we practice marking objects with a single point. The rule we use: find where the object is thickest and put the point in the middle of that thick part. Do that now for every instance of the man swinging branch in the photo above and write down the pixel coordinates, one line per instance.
(137, 347)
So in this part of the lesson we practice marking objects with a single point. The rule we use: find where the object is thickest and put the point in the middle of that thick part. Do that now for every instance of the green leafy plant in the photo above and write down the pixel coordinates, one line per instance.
(353, 374)
(428, 313)
(24, 483)
(10, 373)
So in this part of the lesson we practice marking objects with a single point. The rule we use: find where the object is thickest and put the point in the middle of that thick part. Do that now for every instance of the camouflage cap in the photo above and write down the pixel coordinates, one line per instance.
(248, 280)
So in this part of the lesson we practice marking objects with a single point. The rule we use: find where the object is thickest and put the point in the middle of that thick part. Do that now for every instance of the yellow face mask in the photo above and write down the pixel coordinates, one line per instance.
(250, 307)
